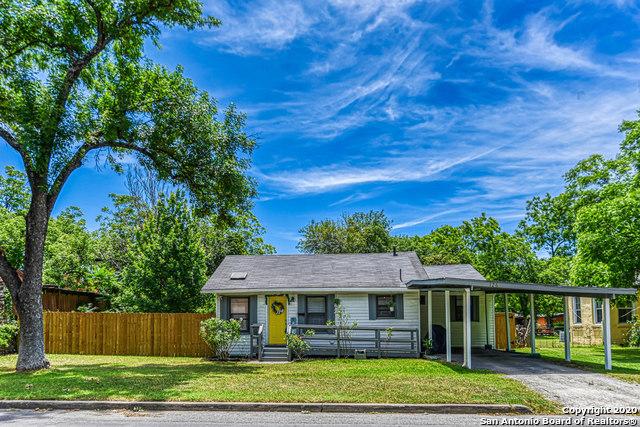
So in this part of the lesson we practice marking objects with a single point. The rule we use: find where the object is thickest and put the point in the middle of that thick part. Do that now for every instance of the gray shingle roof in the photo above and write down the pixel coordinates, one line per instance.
(316, 271)
(453, 271)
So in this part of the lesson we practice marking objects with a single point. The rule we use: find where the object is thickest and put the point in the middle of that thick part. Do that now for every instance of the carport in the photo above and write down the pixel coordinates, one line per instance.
(446, 285)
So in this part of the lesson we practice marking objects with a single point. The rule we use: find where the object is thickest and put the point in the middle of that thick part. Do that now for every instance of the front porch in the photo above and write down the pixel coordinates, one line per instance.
(346, 341)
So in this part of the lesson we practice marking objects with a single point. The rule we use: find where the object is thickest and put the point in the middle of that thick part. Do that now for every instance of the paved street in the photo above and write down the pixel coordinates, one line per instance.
(253, 419)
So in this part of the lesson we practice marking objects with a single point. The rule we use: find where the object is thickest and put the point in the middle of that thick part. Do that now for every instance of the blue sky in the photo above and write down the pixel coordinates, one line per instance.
(433, 111)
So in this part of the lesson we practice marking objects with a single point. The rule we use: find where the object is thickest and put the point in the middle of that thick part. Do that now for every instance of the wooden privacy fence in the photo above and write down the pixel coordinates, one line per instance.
(133, 334)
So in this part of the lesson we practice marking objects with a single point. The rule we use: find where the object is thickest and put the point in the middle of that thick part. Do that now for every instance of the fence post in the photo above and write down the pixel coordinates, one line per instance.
(251, 346)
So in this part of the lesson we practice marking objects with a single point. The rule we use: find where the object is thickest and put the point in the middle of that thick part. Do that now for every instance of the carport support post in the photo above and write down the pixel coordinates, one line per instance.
(567, 330)
(467, 328)
(507, 320)
(533, 324)
(606, 332)
(429, 314)
(447, 323)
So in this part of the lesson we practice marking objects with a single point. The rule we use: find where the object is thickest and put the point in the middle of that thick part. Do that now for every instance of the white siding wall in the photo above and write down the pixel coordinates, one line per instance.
(415, 316)
(356, 305)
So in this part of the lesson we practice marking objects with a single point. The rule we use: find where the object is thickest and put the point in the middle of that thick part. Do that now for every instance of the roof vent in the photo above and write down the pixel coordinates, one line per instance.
(238, 275)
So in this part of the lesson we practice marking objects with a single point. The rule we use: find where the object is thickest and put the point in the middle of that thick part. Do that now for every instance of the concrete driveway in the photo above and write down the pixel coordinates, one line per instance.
(564, 384)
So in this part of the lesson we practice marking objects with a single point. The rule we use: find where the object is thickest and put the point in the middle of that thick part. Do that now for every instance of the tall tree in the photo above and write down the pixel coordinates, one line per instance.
(167, 267)
(607, 194)
(14, 191)
(444, 245)
(548, 224)
(120, 223)
(74, 81)
(360, 232)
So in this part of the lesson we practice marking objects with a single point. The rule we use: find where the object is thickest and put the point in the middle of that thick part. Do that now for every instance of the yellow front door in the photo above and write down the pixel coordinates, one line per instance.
(277, 319)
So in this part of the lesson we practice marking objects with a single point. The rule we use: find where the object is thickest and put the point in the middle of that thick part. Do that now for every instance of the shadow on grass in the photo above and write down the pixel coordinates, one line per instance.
(154, 381)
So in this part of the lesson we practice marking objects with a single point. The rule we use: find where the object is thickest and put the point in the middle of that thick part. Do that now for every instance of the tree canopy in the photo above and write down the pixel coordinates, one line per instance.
(360, 232)
(75, 82)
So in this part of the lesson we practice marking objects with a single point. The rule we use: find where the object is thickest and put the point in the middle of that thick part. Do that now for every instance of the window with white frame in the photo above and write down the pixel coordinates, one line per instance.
(577, 310)
(597, 310)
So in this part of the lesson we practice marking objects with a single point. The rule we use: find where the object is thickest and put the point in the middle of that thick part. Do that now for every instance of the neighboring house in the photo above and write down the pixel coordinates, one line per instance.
(387, 300)
(546, 325)
(586, 320)
(55, 298)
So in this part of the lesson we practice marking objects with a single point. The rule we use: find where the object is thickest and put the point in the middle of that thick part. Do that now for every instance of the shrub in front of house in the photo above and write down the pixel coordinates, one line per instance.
(8, 337)
(297, 346)
(220, 335)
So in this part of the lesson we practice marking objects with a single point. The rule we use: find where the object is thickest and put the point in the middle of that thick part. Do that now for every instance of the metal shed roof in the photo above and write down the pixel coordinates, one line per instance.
(509, 287)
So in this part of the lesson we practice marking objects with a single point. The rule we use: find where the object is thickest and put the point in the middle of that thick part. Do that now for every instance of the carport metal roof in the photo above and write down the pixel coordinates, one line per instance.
(527, 288)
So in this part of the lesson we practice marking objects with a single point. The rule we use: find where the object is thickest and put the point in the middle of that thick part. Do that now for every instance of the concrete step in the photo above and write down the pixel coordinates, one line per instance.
(275, 358)
(275, 350)
(275, 354)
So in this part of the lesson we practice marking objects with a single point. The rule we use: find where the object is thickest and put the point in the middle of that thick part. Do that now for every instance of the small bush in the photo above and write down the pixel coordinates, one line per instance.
(8, 337)
(427, 345)
(297, 346)
(633, 336)
(220, 335)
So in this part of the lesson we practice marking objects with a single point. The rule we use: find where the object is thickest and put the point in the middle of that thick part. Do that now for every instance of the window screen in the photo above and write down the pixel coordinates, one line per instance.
(239, 310)
(577, 310)
(385, 307)
(597, 310)
(316, 310)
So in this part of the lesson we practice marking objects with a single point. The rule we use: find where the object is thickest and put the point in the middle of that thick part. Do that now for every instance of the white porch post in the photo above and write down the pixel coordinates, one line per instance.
(606, 332)
(447, 323)
(532, 313)
(567, 330)
(429, 314)
(507, 320)
(467, 328)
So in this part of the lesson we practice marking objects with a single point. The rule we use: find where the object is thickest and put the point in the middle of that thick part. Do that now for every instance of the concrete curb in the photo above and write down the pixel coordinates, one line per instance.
(87, 405)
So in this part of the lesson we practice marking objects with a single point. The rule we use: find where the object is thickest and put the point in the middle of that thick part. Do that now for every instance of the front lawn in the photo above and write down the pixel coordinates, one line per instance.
(327, 380)
(625, 360)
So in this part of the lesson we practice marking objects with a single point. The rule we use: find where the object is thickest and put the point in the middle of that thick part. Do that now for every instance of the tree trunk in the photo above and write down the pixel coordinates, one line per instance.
(31, 355)
(2, 308)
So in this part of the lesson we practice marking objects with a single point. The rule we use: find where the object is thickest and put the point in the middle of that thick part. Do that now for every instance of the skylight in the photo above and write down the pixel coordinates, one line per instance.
(238, 275)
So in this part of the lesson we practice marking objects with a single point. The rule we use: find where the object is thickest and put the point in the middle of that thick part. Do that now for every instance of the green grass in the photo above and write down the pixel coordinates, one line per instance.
(327, 380)
(625, 360)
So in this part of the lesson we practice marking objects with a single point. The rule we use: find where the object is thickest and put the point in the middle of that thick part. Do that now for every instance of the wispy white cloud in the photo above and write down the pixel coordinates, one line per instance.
(534, 45)
(251, 28)
(356, 197)
(418, 167)
(498, 109)
(423, 219)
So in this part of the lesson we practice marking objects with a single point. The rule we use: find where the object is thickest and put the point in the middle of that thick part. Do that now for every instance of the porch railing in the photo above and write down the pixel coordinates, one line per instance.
(257, 340)
(344, 341)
